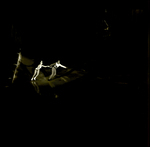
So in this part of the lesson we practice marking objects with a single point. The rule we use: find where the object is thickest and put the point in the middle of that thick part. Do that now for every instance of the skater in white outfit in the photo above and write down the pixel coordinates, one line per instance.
(37, 70)
(54, 66)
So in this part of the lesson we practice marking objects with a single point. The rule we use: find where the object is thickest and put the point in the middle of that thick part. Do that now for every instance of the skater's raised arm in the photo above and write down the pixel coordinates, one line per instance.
(58, 64)
(62, 66)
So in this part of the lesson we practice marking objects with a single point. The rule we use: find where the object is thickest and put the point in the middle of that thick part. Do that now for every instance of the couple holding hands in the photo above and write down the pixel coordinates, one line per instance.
(54, 66)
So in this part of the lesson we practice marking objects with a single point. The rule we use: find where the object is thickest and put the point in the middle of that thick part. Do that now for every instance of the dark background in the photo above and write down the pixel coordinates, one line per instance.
(74, 33)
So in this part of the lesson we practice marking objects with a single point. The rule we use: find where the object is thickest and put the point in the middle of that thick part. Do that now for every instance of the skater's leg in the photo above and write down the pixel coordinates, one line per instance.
(50, 76)
(37, 73)
(53, 72)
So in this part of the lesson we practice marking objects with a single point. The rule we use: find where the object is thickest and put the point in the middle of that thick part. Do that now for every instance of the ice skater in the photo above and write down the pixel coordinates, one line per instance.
(54, 66)
(37, 70)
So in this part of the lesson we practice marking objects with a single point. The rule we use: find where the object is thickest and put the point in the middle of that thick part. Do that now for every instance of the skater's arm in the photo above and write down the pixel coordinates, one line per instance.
(52, 65)
(45, 66)
(62, 66)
